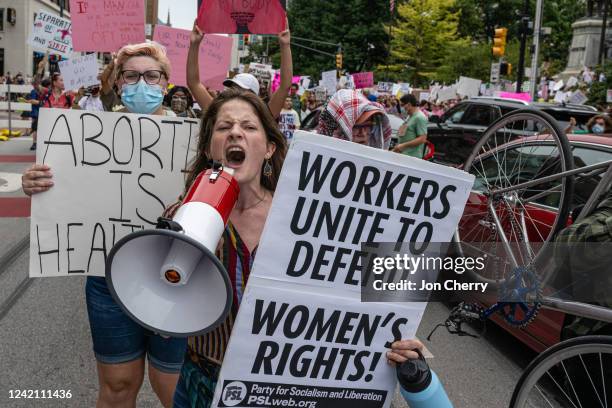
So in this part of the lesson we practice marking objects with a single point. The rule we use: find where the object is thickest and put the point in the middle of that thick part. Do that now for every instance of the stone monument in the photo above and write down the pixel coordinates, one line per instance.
(586, 39)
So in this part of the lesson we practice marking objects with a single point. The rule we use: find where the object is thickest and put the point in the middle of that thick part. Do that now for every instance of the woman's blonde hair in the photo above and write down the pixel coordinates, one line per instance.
(148, 49)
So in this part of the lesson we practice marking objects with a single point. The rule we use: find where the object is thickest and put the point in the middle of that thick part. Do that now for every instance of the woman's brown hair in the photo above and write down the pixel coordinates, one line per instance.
(273, 135)
(606, 119)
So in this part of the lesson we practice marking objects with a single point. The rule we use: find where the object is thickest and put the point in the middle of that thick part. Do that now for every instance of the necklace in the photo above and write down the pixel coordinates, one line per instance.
(254, 205)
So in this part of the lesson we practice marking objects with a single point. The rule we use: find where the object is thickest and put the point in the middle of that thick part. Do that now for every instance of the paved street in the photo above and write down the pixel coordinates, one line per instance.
(45, 343)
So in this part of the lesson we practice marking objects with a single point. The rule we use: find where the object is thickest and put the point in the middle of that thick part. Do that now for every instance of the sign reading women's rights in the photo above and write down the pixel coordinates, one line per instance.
(106, 26)
(215, 55)
(113, 174)
(52, 34)
(242, 16)
(302, 333)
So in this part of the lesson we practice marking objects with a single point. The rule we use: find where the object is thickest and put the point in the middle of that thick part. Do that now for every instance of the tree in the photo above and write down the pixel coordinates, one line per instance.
(425, 31)
(358, 25)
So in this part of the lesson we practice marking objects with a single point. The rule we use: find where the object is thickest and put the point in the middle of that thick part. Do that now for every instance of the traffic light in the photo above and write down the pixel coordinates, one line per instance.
(505, 68)
(499, 42)
(339, 61)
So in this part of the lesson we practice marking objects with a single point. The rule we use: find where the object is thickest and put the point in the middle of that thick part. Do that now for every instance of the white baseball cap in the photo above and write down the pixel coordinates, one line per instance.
(245, 81)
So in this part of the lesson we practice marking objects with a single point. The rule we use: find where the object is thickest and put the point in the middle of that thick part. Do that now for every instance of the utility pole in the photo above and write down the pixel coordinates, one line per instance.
(523, 31)
(537, 32)
(602, 41)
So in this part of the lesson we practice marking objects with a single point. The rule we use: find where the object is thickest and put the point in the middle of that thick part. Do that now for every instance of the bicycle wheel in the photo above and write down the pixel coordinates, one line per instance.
(505, 220)
(575, 373)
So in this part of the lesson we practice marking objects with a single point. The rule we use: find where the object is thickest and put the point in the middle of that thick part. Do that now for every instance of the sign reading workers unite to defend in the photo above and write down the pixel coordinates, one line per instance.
(302, 335)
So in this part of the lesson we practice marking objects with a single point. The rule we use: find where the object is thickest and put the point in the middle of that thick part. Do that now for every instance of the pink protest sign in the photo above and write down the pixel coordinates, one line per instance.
(215, 54)
(106, 26)
(363, 80)
(523, 96)
(242, 16)
(277, 80)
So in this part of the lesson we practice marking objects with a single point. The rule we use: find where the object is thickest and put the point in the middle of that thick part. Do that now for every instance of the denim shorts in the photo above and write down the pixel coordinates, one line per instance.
(118, 339)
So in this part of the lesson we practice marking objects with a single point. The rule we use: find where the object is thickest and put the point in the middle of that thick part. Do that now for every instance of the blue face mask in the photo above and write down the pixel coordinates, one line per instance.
(142, 97)
(598, 129)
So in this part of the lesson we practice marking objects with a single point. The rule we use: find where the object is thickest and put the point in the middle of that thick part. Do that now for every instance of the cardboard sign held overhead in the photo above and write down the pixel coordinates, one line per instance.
(80, 72)
(106, 26)
(242, 17)
(52, 34)
(363, 80)
(215, 55)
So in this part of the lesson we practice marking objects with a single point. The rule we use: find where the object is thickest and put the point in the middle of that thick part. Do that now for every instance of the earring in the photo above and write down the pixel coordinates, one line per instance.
(267, 170)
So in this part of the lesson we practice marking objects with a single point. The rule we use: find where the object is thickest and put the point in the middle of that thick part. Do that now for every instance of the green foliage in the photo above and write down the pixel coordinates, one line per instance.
(599, 90)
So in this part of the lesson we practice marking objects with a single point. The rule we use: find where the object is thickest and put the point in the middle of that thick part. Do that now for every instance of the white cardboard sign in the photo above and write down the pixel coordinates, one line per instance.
(468, 87)
(52, 34)
(332, 196)
(80, 72)
(329, 80)
(114, 173)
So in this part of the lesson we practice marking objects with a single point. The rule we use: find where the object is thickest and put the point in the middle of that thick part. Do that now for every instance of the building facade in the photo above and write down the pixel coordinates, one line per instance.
(16, 22)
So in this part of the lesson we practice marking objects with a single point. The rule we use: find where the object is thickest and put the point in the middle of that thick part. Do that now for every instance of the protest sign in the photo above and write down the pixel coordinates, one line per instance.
(329, 80)
(468, 87)
(106, 26)
(321, 94)
(80, 72)
(242, 17)
(276, 81)
(558, 85)
(522, 96)
(302, 308)
(363, 80)
(609, 96)
(385, 87)
(578, 98)
(571, 82)
(424, 96)
(560, 97)
(114, 173)
(214, 59)
(52, 34)
(447, 93)
(306, 82)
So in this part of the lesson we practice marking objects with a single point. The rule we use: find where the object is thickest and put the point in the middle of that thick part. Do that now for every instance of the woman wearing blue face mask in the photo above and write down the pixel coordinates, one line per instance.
(120, 345)
(599, 124)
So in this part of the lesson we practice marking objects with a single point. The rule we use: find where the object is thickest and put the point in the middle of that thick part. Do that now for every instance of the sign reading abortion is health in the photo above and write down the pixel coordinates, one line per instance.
(113, 174)
(302, 333)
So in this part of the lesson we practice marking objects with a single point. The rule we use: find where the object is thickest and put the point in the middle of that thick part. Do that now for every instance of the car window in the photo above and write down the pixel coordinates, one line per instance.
(564, 117)
(480, 115)
(586, 156)
(455, 114)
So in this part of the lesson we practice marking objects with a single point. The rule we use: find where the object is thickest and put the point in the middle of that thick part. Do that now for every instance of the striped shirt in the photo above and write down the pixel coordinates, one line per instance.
(238, 261)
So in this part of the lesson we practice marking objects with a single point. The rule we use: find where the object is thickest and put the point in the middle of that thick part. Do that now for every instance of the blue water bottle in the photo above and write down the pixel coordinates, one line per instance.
(420, 386)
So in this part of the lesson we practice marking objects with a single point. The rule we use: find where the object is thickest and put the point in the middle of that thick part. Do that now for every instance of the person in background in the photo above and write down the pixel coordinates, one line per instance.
(244, 81)
(120, 345)
(412, 135)
(425, 107)
(56, 97)
(89, 99)
(180, 101)
(34, 98)
(350, 116)
(598, 124)
(289, 120)
(296, 102)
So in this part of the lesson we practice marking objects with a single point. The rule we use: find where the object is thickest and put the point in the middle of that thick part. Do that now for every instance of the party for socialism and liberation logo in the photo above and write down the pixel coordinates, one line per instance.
(234, 393)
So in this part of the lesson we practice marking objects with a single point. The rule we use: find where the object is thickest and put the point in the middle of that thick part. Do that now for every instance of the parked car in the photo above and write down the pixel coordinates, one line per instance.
(455, 133)
(533, 153)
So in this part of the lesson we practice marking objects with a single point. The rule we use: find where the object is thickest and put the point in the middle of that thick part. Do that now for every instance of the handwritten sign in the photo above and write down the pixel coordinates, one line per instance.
(242, 17)
(276, 81)
(215, 55)
(329, 80)
(363, 80)
(80, 72)
(106, 26)
(385, 87)
(52, 33)
(114, 174)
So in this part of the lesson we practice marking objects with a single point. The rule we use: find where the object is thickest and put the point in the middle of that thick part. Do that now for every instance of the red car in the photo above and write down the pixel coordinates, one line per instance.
(474, 227)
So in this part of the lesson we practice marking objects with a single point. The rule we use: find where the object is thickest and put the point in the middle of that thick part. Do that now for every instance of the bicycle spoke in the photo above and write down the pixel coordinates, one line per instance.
(571, 384)
(603, 380)
(561, 388)
(544, 396)
(590, 379)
